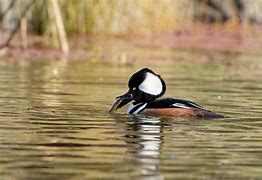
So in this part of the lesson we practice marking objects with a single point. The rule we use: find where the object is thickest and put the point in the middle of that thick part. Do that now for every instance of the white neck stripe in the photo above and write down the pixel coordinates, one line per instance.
(131, 107)
(139, 109)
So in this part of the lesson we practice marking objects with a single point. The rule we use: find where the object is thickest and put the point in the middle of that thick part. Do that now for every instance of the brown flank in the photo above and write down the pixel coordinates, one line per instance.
(182, 113)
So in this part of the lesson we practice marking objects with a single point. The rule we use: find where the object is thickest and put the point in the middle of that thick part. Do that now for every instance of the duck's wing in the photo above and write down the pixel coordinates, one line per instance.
(178, 108)
(173, 103)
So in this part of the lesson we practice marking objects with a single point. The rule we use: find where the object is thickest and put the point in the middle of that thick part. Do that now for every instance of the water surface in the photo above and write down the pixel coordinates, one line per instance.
(54, 122)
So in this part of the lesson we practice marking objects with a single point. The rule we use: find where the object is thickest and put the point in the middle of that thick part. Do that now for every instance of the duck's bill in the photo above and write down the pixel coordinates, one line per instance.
(115, 105)
(121, 101)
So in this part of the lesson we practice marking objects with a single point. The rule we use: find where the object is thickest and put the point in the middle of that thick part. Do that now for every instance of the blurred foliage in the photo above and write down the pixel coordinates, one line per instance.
(39, 21)
(118, 17)
(110, 16)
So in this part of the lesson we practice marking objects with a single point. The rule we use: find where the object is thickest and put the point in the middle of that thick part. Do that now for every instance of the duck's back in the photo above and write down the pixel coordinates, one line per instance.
(178, 108)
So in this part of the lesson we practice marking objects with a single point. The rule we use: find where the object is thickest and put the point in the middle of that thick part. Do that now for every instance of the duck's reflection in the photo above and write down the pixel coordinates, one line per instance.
(144, 139)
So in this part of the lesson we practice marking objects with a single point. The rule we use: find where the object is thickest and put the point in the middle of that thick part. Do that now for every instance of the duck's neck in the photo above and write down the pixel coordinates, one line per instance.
(136, 108)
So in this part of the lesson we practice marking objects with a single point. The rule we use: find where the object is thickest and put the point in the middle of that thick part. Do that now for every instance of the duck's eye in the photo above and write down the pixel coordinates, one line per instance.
(134, 88)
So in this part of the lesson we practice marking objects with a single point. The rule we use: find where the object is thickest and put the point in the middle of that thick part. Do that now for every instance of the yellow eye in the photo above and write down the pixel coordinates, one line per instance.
(134, 88)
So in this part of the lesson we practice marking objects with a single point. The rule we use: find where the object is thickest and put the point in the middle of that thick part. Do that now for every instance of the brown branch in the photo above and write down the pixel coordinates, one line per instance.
(23, 14)
(60, 27)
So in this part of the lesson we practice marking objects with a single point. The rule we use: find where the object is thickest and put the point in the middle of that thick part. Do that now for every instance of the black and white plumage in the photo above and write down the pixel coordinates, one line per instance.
(145, 88)
(163, 103)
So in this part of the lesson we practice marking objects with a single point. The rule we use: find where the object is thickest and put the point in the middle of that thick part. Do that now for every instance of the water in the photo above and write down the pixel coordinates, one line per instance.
(54, 122)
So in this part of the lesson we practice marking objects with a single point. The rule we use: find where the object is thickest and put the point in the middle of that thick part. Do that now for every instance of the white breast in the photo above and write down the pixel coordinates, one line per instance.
(151, 85)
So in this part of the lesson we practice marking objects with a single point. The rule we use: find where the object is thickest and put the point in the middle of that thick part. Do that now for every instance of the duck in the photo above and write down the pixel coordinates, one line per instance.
(145, 88)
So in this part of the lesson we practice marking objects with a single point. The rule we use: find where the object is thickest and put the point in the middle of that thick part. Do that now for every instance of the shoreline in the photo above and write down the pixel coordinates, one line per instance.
(124, 48)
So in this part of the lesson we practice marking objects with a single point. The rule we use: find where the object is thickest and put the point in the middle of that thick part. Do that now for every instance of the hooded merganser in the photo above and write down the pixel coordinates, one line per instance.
(145, 87)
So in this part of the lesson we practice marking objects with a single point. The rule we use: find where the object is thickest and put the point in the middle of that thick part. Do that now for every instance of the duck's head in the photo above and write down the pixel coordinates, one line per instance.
(144, 86)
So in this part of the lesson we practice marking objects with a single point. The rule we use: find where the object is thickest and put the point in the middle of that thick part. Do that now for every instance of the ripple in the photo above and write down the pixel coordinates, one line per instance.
(58, 127)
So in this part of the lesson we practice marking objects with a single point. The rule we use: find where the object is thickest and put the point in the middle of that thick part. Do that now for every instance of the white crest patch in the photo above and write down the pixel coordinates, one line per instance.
(151, 85)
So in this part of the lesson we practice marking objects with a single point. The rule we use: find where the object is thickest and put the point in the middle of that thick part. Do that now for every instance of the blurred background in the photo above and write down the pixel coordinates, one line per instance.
(73, 26)
(63, 62)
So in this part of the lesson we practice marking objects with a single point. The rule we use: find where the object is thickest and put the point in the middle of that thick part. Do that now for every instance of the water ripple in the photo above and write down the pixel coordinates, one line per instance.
(56, 126)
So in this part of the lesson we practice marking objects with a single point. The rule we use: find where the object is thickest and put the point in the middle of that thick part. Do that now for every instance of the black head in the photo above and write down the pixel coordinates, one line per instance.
(144, 86)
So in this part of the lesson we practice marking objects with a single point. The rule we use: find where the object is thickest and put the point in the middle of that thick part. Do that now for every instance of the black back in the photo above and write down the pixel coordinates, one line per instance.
(172, 103)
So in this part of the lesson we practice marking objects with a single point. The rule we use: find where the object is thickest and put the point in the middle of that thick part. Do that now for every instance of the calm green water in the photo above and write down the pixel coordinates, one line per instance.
(54, 122)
